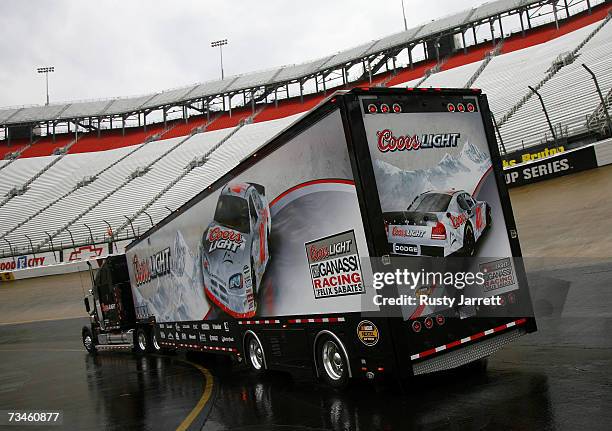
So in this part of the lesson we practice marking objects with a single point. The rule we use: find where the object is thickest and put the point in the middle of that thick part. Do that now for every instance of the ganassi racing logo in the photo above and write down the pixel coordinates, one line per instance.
(221, 239)
(387, 142)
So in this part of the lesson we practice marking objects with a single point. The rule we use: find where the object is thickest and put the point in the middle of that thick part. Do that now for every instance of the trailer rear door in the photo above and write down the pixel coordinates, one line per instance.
(431, 175)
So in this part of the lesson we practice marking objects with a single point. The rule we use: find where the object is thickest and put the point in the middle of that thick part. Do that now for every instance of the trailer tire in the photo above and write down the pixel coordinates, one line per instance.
(88, 340)
(142, 340)
(332, 362)
(155, 347)
(254, 353)
(469, 241)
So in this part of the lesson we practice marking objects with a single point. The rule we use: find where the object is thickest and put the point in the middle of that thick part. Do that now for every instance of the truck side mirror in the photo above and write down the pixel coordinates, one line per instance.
(86, 301)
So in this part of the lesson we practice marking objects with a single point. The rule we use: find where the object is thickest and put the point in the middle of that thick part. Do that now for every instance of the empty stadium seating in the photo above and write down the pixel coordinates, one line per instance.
(53, 202)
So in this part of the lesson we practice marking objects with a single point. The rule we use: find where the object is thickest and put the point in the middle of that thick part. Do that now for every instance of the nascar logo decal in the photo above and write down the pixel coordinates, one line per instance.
(367, 332)
(387, 142)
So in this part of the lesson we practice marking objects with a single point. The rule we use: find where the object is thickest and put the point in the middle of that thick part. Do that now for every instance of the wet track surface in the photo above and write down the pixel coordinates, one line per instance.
(558, 378)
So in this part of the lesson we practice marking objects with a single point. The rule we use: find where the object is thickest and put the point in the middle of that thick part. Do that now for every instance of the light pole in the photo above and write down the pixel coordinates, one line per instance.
(404, 14)
(220, 43)
(46, 71)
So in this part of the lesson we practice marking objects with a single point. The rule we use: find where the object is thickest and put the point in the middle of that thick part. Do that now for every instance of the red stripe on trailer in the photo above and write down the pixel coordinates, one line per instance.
(467, 339)
(259, 322)
(310, 183)
(318, 320)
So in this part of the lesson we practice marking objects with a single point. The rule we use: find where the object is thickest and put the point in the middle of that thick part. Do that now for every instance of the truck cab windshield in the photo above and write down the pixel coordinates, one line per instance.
(233, 212)
(430, 202)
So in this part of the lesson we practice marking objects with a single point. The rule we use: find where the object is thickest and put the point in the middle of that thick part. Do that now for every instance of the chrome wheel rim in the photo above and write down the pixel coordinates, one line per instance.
(87, 342)
(333, 361)
(255, 354)
(142, 341)
(155, 343)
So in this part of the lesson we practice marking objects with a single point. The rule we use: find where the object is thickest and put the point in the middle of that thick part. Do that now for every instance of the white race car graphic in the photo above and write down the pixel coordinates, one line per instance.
(438, 223)
(235, 249)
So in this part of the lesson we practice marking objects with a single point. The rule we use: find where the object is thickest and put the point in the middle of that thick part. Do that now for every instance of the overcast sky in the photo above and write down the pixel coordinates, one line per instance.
(103, 49)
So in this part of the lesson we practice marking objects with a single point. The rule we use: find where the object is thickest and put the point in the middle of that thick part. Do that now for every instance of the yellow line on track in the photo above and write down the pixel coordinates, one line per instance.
(208, 387)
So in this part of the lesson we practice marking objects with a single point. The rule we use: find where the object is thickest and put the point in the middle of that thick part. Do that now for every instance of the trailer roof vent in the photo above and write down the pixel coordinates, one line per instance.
(139, 172)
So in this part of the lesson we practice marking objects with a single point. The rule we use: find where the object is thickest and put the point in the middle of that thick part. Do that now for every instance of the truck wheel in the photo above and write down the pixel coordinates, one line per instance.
(332, 363)
(88, 340)
(155, 347)
(255, 354)
(141, 340)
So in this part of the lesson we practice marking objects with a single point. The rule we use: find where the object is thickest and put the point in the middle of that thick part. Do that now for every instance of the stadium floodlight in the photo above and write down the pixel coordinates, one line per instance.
(220, 44)
(46, 71)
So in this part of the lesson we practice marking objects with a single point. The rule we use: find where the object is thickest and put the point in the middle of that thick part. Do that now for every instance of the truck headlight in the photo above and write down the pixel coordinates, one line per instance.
(235, 281)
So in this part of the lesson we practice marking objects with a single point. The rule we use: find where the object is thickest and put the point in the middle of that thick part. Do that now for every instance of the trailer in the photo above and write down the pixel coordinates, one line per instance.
(274, 263)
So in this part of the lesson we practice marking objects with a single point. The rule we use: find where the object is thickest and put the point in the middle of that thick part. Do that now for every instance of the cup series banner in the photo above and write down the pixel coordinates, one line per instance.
(561, 164)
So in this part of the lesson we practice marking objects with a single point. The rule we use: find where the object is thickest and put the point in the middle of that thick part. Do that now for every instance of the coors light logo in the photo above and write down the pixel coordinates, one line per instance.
(388, 142)
(151, 267)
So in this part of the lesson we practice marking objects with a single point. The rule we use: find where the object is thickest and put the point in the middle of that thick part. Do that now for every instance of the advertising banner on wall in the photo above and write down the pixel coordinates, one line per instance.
(555, 166)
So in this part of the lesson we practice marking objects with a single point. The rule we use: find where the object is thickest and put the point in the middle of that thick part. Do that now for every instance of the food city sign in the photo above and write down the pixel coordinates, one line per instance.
(22, 262)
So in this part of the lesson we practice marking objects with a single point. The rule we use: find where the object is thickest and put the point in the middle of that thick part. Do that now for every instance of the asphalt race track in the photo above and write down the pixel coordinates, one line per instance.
(557, 378)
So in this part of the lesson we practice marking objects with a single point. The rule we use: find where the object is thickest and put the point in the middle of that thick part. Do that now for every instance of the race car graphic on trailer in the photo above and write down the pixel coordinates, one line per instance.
(438, 223)
(235, 249)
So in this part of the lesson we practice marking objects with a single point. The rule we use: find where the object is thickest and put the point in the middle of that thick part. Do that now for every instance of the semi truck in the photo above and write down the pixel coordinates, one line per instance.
(273, 262)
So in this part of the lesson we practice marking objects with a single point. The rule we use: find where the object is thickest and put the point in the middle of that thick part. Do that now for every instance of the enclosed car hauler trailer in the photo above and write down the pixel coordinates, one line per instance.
(273, 262)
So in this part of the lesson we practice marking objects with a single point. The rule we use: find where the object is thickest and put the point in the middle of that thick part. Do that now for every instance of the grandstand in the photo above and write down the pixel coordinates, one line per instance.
(103, 171)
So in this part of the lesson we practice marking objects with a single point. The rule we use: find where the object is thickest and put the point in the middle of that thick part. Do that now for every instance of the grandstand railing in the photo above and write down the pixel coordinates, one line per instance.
(555, 67)
(61, 152)
(598, 120)
(198, 129)
(196, 162)
(493, 53)
(84, 182)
